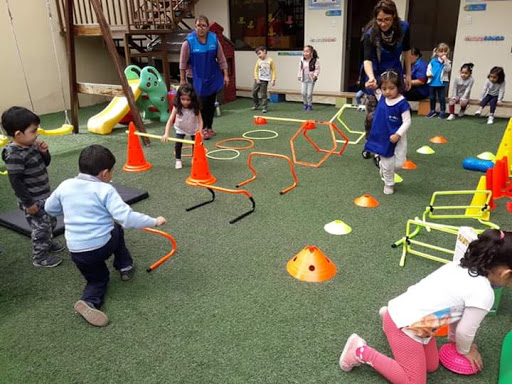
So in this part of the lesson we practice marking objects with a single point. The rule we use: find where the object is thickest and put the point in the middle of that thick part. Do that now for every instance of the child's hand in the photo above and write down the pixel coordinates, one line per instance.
(32, 210)
(299, 78)
(394, 138)
(443, 58)
(258, 81)
(273, 82)
(371, 83)
(164, 138)
(500, 104)
(43, 147)
(160, 221)
(474, 358)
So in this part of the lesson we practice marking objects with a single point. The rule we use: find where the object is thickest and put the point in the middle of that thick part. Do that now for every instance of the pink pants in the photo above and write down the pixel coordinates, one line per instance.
(412, 362)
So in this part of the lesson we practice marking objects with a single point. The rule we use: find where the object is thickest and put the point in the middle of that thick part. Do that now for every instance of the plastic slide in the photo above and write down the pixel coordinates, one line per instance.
(104, 122)
(506, 361)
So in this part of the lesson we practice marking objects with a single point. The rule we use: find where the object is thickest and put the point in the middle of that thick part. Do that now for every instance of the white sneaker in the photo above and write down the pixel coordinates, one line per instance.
(178, 164)
(490, 120)
(389, 190)
(461, 113)
(451, 117)
(478, 112)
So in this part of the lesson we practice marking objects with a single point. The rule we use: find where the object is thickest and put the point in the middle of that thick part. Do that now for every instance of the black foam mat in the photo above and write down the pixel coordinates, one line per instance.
(16, 221)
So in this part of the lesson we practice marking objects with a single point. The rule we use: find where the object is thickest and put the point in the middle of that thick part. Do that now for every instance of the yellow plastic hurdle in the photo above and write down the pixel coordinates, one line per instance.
(338, 115)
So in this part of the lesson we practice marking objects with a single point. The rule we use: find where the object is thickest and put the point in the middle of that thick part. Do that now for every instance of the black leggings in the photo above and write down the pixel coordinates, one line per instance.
(178, 145)
(492, 100)
(440, 91)
(207, 110)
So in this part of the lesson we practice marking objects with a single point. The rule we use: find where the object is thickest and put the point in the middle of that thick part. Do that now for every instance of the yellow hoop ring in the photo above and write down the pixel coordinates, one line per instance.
(246, 134)
(223, 158)
(190, 154)
(219, 143)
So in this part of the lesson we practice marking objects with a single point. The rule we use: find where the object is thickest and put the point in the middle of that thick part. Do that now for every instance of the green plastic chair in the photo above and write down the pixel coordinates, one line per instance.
(506, 361)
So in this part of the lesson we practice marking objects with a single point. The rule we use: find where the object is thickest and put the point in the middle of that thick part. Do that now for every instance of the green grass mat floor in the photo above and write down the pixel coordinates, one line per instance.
(224, 309)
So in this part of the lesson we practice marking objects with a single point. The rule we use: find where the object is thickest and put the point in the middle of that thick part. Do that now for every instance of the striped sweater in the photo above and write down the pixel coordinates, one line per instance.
(27, 172)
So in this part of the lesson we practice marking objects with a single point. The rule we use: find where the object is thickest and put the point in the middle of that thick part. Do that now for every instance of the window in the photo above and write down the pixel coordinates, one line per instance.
(276, 24)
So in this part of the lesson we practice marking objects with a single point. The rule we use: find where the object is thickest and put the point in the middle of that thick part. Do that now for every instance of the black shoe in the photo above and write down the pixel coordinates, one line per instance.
(366, 154)
(47, 262)
(127, 274)
(376, 160)
(55, 246)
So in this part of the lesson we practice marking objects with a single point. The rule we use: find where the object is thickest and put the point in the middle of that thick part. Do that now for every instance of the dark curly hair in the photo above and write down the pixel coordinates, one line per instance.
(389, 8)
(188, 90)
(493, 248)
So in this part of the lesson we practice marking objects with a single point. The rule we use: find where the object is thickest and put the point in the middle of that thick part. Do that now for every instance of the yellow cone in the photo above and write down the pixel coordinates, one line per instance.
(486, 156)
(337, 227)
(426, 150)
(398, 178)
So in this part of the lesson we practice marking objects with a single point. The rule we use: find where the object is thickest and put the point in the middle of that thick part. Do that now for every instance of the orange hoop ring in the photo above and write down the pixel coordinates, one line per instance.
(219, 143)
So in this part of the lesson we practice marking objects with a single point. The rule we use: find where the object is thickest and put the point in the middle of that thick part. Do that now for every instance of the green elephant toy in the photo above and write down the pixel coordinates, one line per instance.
(152, 83)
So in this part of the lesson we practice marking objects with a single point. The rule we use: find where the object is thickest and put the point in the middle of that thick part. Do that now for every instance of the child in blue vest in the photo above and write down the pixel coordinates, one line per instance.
(388, 139)
(438, 72)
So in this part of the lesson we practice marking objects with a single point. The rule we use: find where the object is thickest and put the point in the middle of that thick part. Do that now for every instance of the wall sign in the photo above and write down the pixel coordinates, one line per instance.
(289, 53)
(322, 39)
(336, 12)
(475, 7)
(322, 4)
(484, 38)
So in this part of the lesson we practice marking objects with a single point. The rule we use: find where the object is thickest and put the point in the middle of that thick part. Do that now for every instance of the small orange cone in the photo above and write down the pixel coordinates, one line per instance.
(260, 120)
(311, 265)
(366, 201)
(438, 140)
(409, 165)
(200, 172)
(136, 161)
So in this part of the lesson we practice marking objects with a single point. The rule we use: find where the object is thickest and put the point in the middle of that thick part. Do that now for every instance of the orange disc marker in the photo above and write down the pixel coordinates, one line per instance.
(442, 331)
(311, 265)
(438, 140)
(260, 120)
(409, 165)
(366, 201)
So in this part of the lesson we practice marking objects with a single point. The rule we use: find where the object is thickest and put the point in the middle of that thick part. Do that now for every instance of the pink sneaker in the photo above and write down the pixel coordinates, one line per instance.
(348, 358)
(212, 133)
(206, 134)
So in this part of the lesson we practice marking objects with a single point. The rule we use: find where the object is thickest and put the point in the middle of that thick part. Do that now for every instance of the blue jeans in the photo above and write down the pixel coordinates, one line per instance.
(440, 92)
(93, 267)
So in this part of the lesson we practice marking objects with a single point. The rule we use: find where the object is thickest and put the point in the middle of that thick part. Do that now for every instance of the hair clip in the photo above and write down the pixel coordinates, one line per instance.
(388, 72)
(502, 235)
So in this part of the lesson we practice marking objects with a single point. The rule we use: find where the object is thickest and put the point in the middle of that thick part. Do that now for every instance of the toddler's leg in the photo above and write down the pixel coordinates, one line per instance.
(264, 101)
(441, 94)
(387, 171)
(255, 91)
(463, 105)
(311, 86)
(178, 146)
(304, 92)
(409, 365)
(371, 106)
(401, 152)
(432, 355)
(451, 105)
(41, 225)
(432, 97)
(122, 258)
(93, 268)
(493, 102)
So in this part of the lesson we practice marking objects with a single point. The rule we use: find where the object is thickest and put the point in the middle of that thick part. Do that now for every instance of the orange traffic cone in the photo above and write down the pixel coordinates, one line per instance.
(366, 201)
(438, 140)
(311, 265)
(409, 165)
(136, 161)
(200, 172)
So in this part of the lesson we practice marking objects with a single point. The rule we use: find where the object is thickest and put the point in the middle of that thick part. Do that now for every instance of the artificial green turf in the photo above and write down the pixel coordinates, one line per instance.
(224, 309)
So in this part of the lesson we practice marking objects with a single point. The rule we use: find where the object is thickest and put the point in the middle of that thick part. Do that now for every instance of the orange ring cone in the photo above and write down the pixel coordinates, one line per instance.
(409, 165)
(438, 140)
(260, 120)
(311, 265)
(442, 331)
(366, 201)
(136, 161)
(200, 172)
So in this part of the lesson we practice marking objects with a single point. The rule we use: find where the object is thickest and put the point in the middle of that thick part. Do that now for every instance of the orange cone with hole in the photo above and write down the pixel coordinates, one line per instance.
(136, 161)
(409, 165)
(260, 120)
(438, 140)
(200, 170)
(366, 201)
(311, 265)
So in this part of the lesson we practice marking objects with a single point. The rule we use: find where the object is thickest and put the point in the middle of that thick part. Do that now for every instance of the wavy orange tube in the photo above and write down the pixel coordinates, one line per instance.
(166, 257)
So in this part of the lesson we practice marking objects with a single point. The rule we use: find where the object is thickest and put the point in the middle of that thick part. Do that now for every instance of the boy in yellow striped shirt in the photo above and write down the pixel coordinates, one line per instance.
(264, 72)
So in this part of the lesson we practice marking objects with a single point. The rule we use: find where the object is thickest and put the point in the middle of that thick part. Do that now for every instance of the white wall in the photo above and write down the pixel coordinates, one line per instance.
(494, 21)
(32, 30)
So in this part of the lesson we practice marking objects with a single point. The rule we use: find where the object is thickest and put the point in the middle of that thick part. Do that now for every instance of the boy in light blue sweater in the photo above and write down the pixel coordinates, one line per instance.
(90, 205)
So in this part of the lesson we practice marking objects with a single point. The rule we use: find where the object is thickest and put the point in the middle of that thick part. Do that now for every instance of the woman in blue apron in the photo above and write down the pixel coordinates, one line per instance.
(386, 39)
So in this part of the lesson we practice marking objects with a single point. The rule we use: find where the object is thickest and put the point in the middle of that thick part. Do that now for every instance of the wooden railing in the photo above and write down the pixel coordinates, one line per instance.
(130, 14)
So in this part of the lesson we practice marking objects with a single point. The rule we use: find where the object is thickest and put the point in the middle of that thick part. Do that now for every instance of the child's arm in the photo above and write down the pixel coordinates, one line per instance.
(45, 153)
(447, 65)
(15, 166)
(299, 74)
(124, 214)
(429, 70)
(487, 85)
(406, 124)
(455, 85)
(467, 91)
(501, 92)
(274, 73)
(53, 206)
(465, 334)
(316, 72)
(168, 126)
(256, 71)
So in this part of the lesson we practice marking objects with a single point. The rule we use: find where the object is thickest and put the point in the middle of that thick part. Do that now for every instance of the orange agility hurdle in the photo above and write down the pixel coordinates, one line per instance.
(213, 188)
(254, 175)
(166, 257)
(310, 125)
